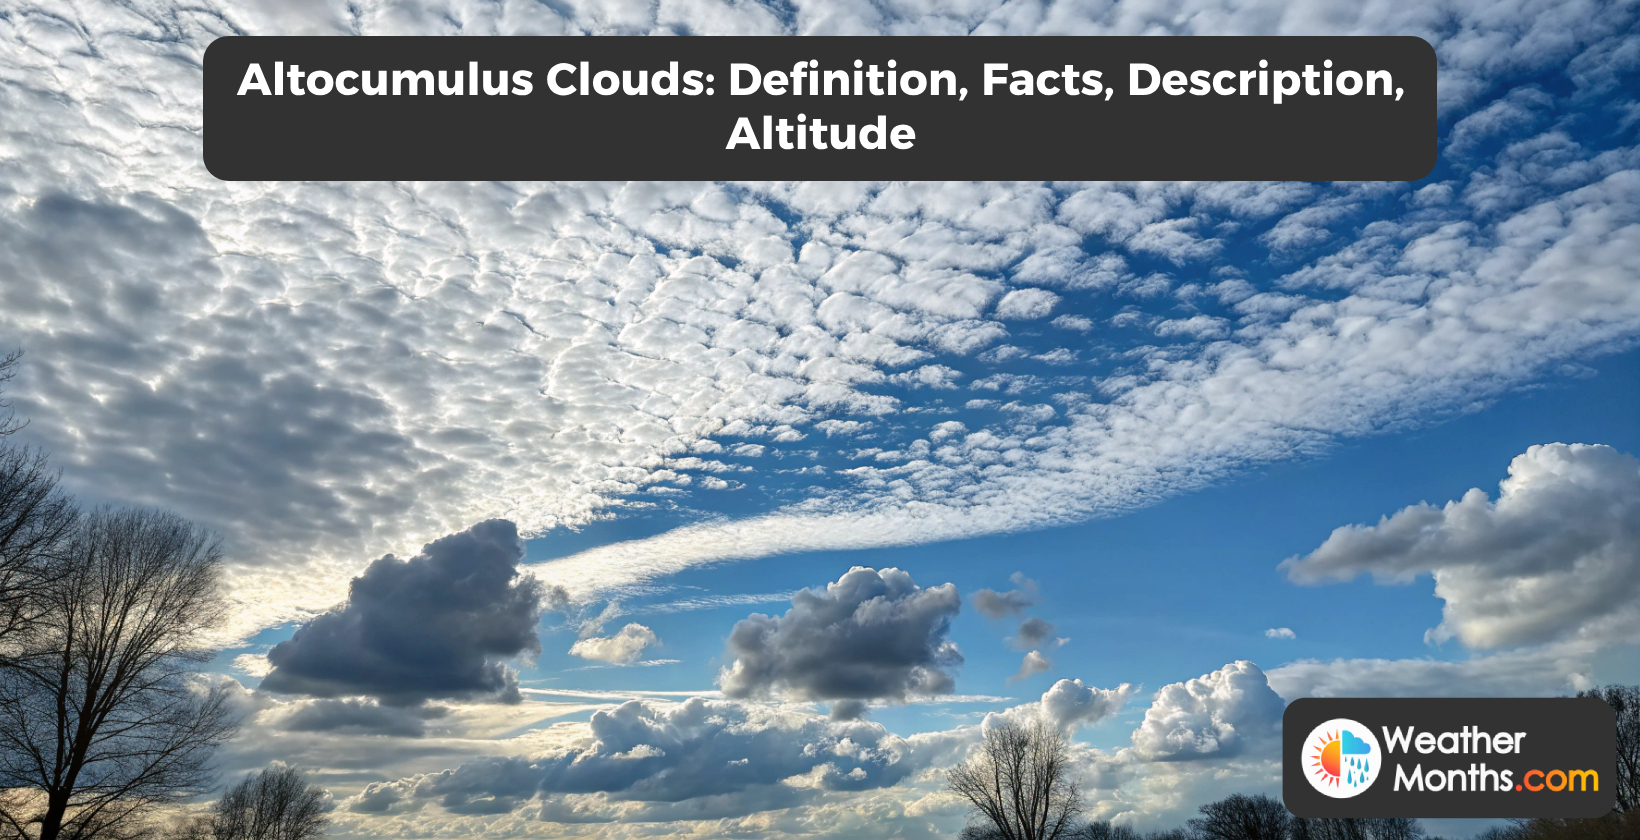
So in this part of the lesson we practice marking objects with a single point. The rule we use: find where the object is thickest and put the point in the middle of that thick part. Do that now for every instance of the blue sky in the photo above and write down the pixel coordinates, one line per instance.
(596, 460)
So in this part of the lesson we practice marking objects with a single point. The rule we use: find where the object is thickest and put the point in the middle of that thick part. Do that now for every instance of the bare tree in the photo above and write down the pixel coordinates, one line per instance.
(36, 519)
(1355, 828)
(1104, 830)
(1242, 817)
(276, 804)
(100, 717)
(8, 369)
(1625, 701)
(1020, 785)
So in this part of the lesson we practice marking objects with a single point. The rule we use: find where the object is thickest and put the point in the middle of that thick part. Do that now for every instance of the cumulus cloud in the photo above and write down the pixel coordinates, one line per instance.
(1280, 633)
(1069, 705)
(435, 625)
(623, 648)
(1033, 663)
(872, 634)
(1556, 556)
(1215, 715)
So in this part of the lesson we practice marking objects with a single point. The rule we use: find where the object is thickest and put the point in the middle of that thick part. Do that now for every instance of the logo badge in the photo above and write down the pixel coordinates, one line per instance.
(1341, 758)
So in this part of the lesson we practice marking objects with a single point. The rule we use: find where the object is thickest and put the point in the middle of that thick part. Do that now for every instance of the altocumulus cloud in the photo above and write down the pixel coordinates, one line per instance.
(873, 634)
(435, 625)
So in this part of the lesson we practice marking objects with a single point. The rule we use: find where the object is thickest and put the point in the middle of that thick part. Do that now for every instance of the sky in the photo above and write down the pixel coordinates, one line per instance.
(742, 509)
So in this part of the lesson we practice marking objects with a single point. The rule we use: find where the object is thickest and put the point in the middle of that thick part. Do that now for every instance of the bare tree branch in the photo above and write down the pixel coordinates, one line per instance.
(36, 521)
(276, 804)
(100, 714)
(1019, 785)
(8, 417)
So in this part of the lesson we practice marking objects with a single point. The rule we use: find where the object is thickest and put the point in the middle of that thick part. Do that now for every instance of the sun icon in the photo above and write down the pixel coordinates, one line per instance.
(1341, 758)
(1327, 760)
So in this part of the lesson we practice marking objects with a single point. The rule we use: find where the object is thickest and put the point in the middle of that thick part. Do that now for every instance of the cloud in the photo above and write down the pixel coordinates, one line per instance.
(1417, 317)
(623, 648)
(252, 664)
(1353, 745)
(1078, 323)
(1280, 633)
(1556, 556)
(1196, 326)
(1544, 671)
(736, 755)
(873, 634)
(435, 625)
(1070, 703)
(1033, 663)
(1026, 304)
(1033, 632)
(357, 716)
(996, 605)
(1215, 715)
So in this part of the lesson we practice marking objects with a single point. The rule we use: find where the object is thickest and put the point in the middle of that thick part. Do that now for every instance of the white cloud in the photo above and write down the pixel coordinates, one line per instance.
(1026, 304)
(1196, 326)
(1545, 671)
(1034, 663)
(1556, 556)
(1280, 633)
(1500, 305)
(252, 664)
(1215, 715)
(623, 648)
(1078, 323)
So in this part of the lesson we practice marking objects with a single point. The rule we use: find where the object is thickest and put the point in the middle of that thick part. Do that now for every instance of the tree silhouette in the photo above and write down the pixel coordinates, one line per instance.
(1019, 785)
(100, 718)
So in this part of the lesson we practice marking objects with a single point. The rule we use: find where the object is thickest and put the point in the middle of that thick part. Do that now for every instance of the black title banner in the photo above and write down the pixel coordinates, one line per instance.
(1493, 757)
(1038, 108)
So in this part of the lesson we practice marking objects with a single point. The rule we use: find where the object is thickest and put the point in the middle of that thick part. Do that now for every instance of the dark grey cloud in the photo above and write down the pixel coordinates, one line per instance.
(362, 717)
(848, 710)
(435, 625)
(1033, 632)
(997, 605)
(870, 635)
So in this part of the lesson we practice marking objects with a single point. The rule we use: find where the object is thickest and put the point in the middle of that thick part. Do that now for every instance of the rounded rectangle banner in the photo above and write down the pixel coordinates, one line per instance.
(1449, 757)
(1043, 108)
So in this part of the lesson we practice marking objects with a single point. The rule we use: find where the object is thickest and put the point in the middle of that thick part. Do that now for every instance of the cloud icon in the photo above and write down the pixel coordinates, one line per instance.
(1353, 745)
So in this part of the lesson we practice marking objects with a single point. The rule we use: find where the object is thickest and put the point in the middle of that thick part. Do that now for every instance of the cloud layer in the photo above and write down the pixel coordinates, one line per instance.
(309, 358)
